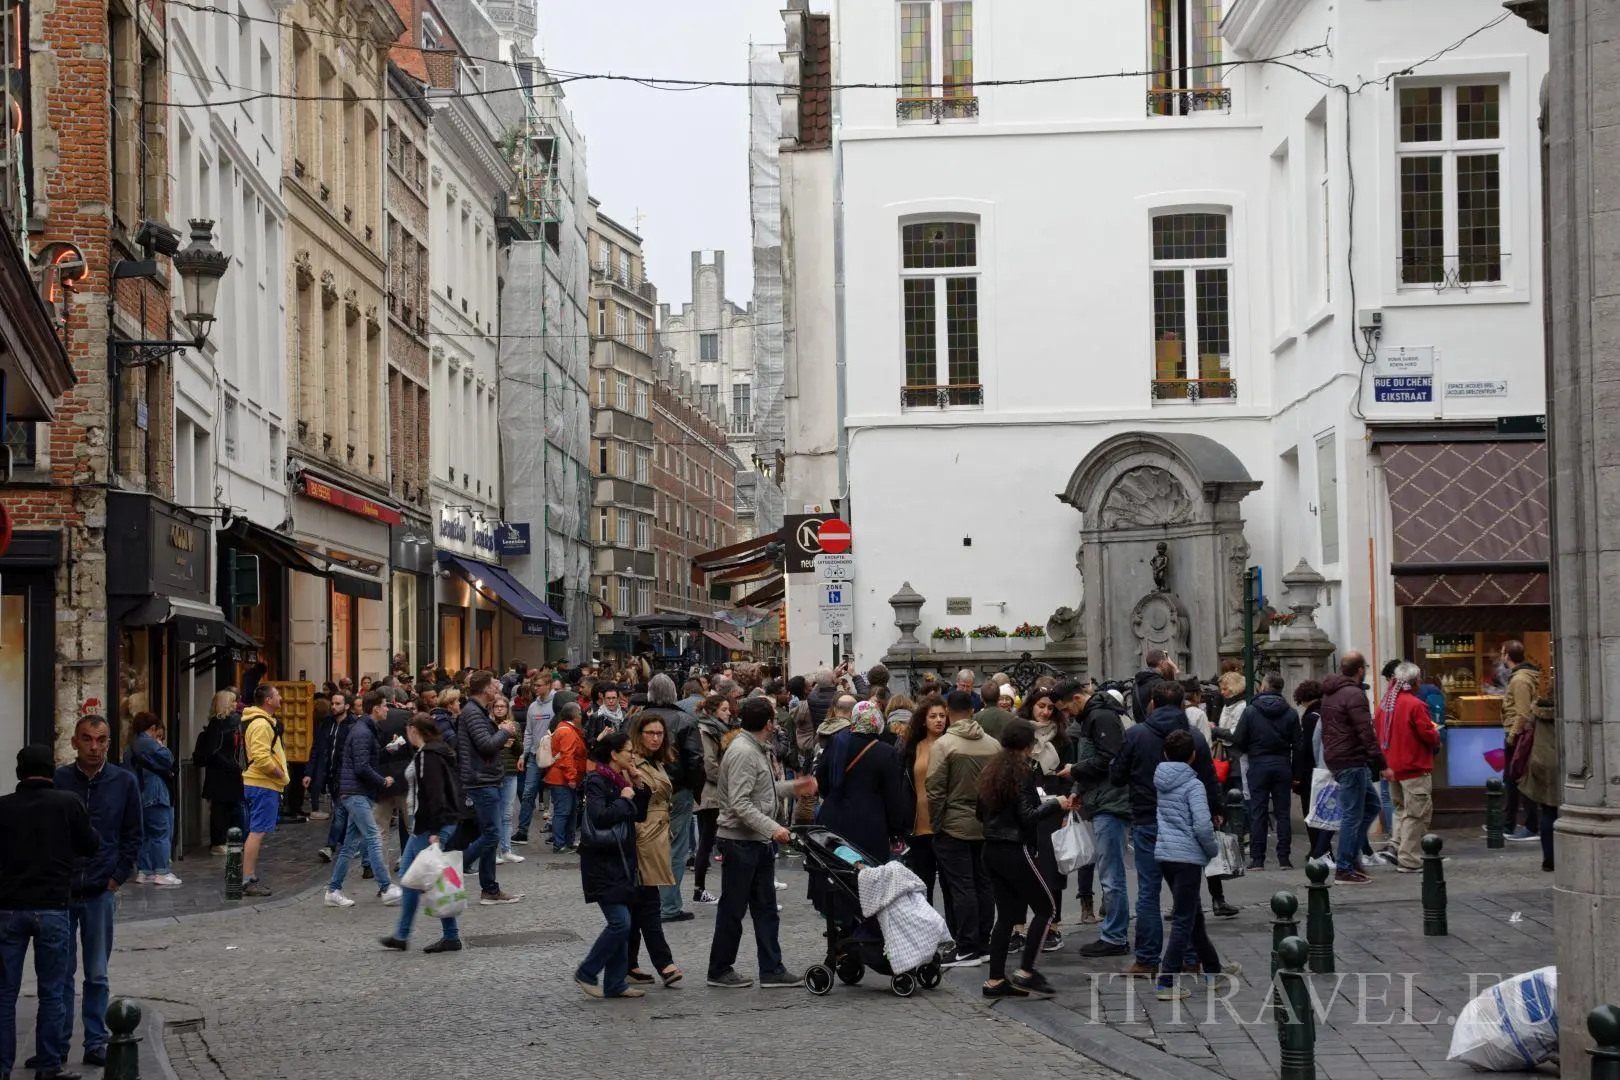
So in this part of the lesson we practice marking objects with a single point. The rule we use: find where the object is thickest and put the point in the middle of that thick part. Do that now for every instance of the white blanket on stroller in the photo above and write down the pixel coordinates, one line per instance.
(912, 930)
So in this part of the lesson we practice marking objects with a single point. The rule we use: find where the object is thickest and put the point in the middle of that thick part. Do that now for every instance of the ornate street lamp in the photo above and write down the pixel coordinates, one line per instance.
(200, 266)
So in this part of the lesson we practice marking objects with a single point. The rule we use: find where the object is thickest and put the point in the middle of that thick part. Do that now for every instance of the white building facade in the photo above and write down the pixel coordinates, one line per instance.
(466, 174)
(1037, 273)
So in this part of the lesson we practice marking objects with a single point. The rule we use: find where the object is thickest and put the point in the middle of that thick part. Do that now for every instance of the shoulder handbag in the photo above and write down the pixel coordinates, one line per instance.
(857, 759)
(593, 837)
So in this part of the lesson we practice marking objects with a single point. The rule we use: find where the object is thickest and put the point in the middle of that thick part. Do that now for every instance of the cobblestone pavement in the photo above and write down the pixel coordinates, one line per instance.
(287, 864)
(294, 989)
(1390, 1005)
(303, 991)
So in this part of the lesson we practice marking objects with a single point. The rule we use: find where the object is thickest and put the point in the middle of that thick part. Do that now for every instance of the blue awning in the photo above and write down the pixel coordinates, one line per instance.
(538, 617)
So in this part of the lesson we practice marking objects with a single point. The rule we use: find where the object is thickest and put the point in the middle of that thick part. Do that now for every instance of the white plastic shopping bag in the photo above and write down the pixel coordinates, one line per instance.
(424, 869)
(1324, 812)
(1228, 862)
(446, 898)
(1074, 845)
(1510, 1027)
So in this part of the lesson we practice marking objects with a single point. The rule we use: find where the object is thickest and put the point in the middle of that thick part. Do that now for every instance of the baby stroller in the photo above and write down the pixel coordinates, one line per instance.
(854, 944)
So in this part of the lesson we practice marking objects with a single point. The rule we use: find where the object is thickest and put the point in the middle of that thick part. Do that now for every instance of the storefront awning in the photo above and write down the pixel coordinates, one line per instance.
(1469, 522)
(278, 549)
(725, 640)
(201, 624)
(539, 618)
(770, 594)
(238, 647)
(358, 587)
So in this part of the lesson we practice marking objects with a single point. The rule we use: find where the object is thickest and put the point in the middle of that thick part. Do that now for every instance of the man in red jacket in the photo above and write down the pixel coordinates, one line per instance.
(1412, 739)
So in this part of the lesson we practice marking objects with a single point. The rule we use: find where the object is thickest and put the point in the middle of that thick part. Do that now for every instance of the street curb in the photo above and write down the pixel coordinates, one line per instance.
(1102, 1043)
(221, 914)
(152, 1034)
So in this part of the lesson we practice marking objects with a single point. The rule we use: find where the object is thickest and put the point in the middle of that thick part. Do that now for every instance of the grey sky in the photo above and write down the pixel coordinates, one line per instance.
(679, 159)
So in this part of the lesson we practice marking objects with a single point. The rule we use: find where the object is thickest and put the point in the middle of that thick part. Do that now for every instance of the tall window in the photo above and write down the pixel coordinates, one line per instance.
(643, 532)
(936, 61)
(939, 286)
(1450, 149)
(643, 333)
(708, 395)
(641, 400)
(643, 467)
(1191, 306)
(708, 346)
(623, 529)
(621, 392)
(1184, 41)
(621, 325)
(1319, 237)
(623, 462)
(1327, 496)
(740, 403)
(623, 595)
(643, 598)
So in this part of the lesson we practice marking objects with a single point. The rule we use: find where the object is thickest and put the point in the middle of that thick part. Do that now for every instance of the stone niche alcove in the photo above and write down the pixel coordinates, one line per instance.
(1135, 492)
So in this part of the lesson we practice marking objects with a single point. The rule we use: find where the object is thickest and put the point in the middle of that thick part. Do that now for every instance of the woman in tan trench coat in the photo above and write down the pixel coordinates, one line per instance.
(649, 737)
(1540, 780)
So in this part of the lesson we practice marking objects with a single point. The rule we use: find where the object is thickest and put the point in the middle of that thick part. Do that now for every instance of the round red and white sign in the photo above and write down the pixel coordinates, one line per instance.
(834, 536)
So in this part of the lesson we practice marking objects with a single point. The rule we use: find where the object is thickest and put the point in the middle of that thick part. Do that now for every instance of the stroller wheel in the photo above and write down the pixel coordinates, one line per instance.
(819, 980)
(850, 970)
(903, 984)
(929, 976)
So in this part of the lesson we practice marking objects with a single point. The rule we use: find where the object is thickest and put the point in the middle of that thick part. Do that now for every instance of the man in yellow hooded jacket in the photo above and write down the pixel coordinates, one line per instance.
(262, 780)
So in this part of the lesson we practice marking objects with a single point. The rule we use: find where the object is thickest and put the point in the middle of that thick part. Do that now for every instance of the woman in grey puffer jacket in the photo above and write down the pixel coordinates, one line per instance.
(1185, 844)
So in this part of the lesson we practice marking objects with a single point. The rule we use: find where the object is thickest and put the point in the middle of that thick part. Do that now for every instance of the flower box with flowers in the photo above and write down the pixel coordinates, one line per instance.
(988, 638)
(1027, 637)
(948, 639)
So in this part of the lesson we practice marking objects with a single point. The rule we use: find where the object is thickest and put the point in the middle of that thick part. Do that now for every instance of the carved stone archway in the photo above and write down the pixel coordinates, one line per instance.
(1139, 490)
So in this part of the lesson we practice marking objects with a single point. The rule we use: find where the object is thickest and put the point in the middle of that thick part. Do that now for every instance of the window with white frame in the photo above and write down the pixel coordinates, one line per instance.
(621, 325)
(1450, 151)
(1192, 297)
(623, 462)
(622, 530)
(643, 467)
(621, 392)
(643, 532)
(1327, 496)
(643, 598)
(232, 428)
(936, 61)
(602, 533)
(644, 333)
(1320, 219)
(623, 596)
(939, 287)
(708, 346)
(641, 400)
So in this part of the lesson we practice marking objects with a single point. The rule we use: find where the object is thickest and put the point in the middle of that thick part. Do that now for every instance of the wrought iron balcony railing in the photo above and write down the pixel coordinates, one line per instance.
(1195, 389)
(941, 397)
(1186, 102)
(935, 109)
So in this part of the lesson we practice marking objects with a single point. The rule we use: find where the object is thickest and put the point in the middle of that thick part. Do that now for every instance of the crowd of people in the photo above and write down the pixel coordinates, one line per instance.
(646, 780)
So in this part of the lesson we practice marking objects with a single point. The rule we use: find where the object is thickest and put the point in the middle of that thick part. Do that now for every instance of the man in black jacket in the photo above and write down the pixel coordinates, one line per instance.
(1134, 766)
(1268, 731)
(42, 831)
(686, 775)
(361, 784)
(395, 755)
(478, 751)
(1098, 736)
(1156, 667)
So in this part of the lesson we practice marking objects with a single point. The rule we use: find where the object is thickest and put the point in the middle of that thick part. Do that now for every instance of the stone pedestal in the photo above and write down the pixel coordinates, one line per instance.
(1301, 651)
(1583, 377)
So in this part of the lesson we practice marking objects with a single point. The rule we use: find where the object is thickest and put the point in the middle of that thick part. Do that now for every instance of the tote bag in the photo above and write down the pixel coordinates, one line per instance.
(1324, 812)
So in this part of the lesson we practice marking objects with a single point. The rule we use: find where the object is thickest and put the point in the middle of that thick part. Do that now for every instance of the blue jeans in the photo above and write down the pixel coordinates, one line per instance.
(157, 825)
(680, 846)
(747, 886)
(509, 794)
(1149, 884)
(51, 932)
(1116, 898)
(532, 774)
(412, 897)
(564, 804)
(1358, 800)
(486, 802)
(1189, 947)
(1386, 808)
(610, 954)
(362, 831)
(91, 925)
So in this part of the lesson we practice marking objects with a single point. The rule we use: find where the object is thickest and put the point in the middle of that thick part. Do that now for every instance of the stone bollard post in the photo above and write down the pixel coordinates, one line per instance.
(1319, 917)
(1237, 815)
(1285, 906)
(233, 864)
(1296, 1024)
(1493, 813)
(1434, 887)
(124, 1048)
(1603, 1023)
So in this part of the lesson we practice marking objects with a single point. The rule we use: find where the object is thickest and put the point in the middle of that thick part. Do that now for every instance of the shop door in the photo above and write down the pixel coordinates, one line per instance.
(452, 639)
(486, 640)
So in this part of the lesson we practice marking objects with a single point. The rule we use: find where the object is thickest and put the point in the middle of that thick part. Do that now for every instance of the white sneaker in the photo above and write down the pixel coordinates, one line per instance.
(165, 879)
(781, 886)
(337, 899)
(143, 878)
(391, 895)
(508, 857)
(217, 849)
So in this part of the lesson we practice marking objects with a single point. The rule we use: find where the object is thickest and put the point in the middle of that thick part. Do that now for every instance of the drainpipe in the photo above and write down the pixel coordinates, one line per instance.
(839, 318)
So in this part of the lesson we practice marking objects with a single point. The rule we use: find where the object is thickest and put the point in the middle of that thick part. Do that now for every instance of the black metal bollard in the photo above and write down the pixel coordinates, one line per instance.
(1319, 918)
(1493, 814)
(1285, 906)
(1603, 1024)
(1434, 888)
(1296, 1023)
(233, 864)
(1237, 814)
(124, 1048)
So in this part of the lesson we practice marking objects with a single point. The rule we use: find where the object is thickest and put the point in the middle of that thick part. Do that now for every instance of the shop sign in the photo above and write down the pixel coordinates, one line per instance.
(801, 535)
(484, 539)
(1477, 388)
(1403, 389)
(512, 538)
(348, 500)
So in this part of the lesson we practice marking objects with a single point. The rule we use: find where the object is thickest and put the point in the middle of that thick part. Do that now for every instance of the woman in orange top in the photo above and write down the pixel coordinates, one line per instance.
(927, 724)
(566, 775)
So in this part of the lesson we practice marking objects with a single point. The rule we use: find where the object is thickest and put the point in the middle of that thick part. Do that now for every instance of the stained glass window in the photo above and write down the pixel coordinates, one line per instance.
(940, 314)
(1423, 225)
(1192, 358)
(958, 49)
(939, 243)
(916, 49)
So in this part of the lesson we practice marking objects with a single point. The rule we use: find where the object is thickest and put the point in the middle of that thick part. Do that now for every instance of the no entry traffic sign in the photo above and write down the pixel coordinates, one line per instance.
(835, 538)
